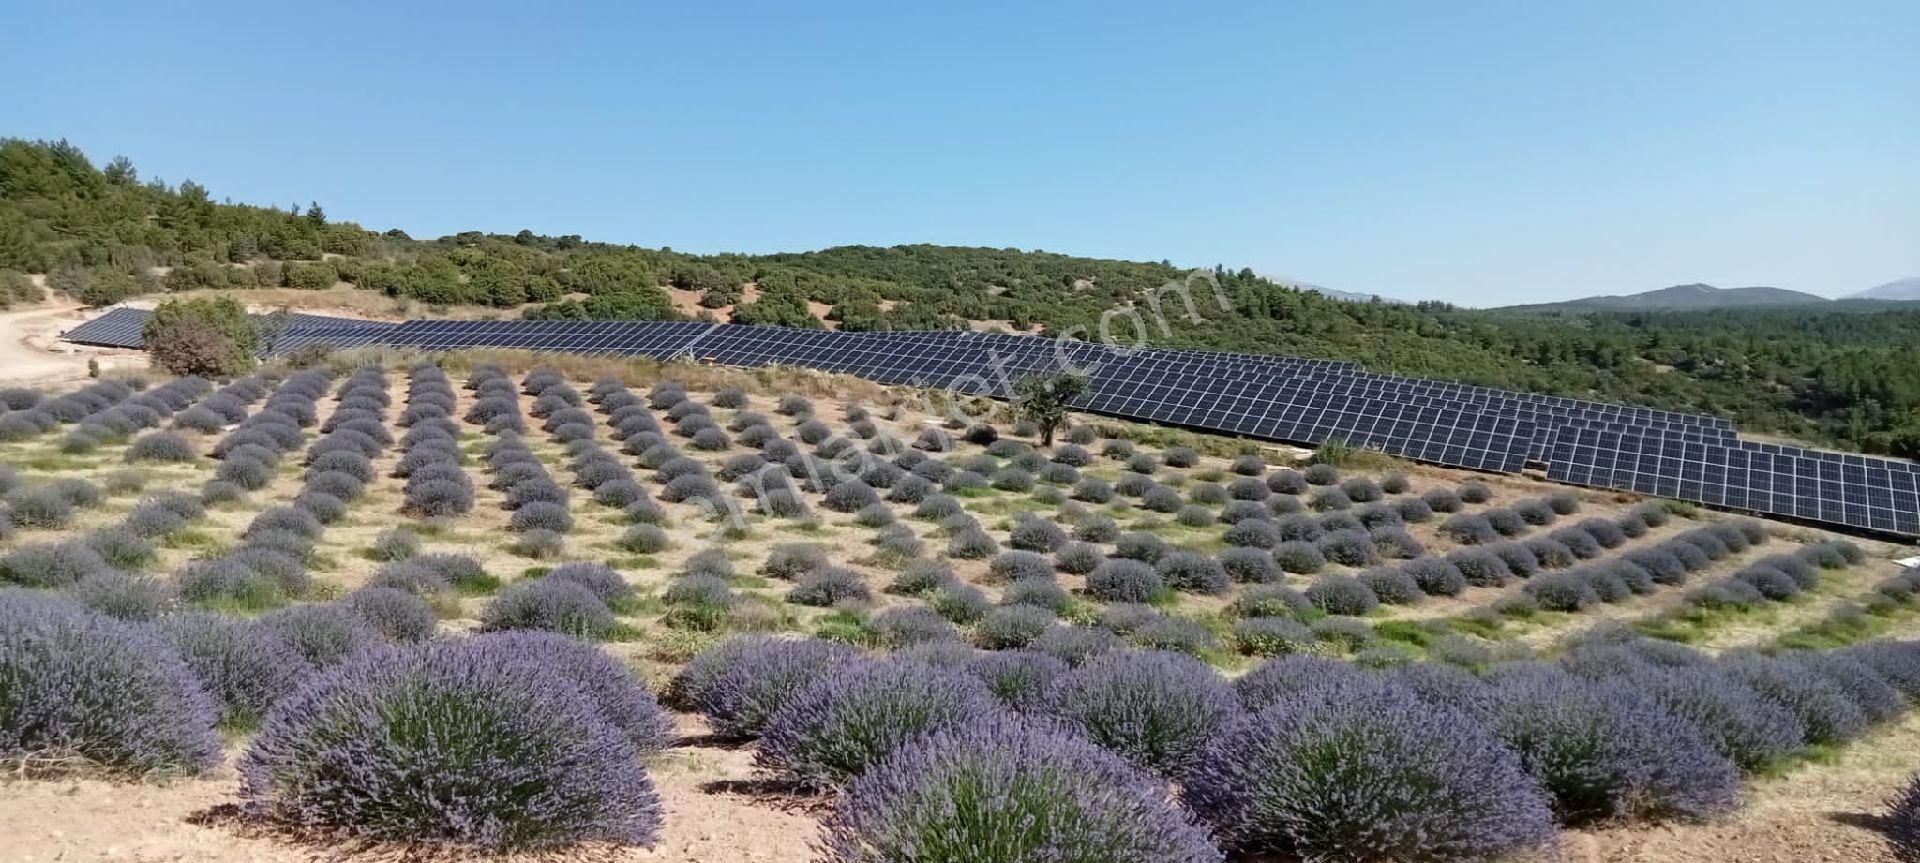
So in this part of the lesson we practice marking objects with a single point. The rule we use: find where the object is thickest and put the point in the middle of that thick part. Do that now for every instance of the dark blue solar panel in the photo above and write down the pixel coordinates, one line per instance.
(121, 328)
(1851, 491)
(118, 328)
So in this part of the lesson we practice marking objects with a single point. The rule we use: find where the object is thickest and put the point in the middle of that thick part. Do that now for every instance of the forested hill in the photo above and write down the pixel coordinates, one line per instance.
(1845, 376)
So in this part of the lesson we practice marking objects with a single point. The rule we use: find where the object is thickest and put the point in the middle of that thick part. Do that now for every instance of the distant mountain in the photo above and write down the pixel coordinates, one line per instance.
(1350, 296)
(1345, 296)
(1680, 298)
(1904, 289)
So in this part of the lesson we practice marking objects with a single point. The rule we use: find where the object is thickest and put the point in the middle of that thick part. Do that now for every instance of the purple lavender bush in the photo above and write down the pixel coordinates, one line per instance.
(1349, 548)
(1283, 677)
(1362, 771)
(1193, 572)
(1271, 600)
(845, 722)
(602, 580)
(1018, 678)
(1480, 567)
(1271, 636)
(553, 605)
(76, 685)
(1436, 576)
(1440, 683)
(1562, 591)
(612, 689)
(1603, 750)
(1876, 698)
(827, 586)
(1155, 709)
(50, 564)
(1340, 594)
(463, 743)
(1000, 791)
(124, 595)
(1016, 565)
(764, 676)
(1898, 663)
(1038, 592)
(245, 666)
(1075, 645)
(907, 625)
(1122, 580)
(1752, 732)
(1820, 705)
(1013, 626)
(1392, 586)
(1176, 635)
(693, 685)
(1903, 822)
(323, 633)
(1251, 565)
(396, 614)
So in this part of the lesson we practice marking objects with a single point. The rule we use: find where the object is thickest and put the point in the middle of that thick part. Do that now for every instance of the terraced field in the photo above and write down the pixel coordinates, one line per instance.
(760, 559)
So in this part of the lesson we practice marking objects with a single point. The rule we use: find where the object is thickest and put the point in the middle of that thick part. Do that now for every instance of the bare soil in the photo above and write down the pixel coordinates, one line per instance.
(31, 351)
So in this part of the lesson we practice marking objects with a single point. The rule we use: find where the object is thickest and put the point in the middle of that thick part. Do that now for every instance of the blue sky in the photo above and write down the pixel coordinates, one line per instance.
(1482, 153)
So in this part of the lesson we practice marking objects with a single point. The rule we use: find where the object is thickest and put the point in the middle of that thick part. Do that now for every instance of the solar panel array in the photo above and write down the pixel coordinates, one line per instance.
(1856, 491)
(118, 328)
(340, 334)
(1305, 401)
(121, 328)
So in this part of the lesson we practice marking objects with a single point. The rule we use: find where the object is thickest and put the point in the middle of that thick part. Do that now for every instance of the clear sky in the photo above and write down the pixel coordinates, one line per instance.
(1482, 153)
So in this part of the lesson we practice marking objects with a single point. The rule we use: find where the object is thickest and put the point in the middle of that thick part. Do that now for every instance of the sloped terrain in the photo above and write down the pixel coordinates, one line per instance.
(670, 483)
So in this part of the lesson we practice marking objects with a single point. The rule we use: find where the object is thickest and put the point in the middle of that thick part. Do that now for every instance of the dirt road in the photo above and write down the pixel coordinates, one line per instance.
(31, 351)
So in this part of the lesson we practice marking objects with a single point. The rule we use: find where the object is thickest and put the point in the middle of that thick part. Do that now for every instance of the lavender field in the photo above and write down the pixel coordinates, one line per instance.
(475, 605)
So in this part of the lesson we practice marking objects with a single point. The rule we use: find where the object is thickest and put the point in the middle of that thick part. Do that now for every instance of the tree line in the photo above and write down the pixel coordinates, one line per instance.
(1844, 375)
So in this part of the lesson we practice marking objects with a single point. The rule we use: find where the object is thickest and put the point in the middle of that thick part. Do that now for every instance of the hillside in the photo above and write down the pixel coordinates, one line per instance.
(1692, 297)
(1903, 289)
(101, 234)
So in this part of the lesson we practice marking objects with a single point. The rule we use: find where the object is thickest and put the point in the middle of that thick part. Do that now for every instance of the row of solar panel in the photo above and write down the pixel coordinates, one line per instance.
(874, 352)
(980, 362)
(984, 363)
(1175, 388)
(1285, 399)
(121, 328)
(1185, 387)
(1856, 491)
(1281, 398)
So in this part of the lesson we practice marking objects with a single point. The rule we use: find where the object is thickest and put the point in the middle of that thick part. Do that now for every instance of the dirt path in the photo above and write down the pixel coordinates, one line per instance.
(31, 350)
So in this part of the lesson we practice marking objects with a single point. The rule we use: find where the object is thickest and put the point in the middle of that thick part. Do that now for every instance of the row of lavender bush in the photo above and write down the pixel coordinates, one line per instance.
(538, 503)
(269, 566)
(1304, 757)
(30, 413)
(104, 556)
(502, 741)
(103, 568)
(437, 485)
(144, 410)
